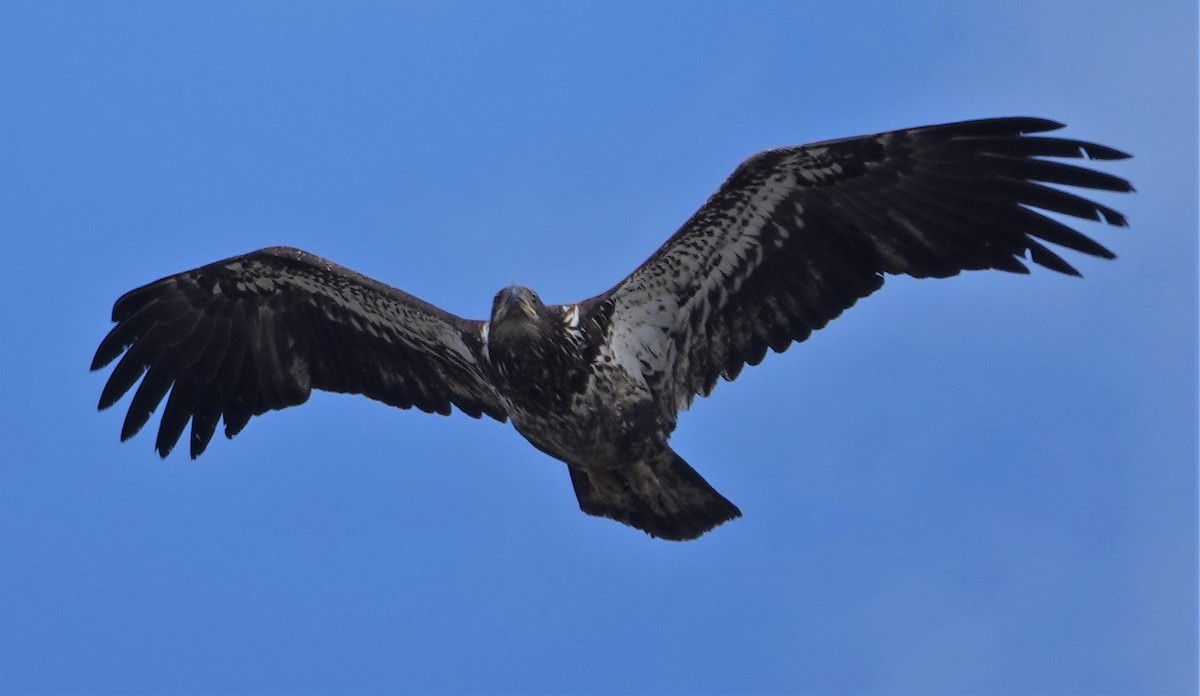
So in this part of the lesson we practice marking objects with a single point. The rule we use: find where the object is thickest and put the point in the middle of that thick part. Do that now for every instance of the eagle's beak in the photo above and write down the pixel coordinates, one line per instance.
(526, 306)
(512, 299)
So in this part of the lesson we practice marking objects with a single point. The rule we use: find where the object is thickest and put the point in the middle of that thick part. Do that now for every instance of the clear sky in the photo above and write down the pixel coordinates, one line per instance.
(980, 485)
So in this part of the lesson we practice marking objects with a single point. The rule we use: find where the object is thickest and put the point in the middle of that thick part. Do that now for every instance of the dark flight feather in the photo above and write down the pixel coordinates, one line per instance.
(796, 236)
(258, 332)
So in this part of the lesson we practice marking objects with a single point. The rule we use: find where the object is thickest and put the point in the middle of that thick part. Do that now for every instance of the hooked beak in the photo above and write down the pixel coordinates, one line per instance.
(513, 299)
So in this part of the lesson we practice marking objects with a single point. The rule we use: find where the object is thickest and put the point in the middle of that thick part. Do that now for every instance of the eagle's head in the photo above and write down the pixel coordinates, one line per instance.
(535, 350)
(522, 324)
(517, 305)
(519, 328)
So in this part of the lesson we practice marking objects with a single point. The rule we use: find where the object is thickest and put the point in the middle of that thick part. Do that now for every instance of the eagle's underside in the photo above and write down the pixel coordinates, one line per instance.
(793, 238)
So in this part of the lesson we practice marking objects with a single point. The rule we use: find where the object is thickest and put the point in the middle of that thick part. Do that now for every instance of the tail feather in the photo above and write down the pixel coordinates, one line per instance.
(661, 496)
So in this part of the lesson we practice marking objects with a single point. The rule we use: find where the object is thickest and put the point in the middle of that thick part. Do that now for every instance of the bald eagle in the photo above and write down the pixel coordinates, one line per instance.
(793, 238)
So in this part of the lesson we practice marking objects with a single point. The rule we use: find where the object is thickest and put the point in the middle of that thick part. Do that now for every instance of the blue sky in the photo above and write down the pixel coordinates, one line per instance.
(980, 485)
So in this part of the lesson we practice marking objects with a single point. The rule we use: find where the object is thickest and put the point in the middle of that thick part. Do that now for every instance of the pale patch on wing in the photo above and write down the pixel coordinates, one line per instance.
(660, 309)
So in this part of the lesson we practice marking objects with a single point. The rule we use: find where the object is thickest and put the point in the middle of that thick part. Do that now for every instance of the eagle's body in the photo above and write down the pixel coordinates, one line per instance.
(571, 392)
(557, 388)
(794, 237)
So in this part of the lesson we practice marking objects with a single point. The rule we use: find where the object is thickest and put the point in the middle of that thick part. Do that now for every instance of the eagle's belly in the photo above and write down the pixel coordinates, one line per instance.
(608, 423)
(568, 394)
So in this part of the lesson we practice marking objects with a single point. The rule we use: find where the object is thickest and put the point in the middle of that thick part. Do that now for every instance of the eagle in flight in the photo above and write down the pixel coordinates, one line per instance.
(793, 238)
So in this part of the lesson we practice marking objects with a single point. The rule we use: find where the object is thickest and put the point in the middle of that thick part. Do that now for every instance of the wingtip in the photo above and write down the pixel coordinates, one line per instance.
(109, 396)
(105, 354)
(1033, 124)
(1095, 151)
(1018, 125)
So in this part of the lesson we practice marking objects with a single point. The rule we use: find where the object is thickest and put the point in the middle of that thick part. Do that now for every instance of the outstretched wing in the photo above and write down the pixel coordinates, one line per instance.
(797, 235)
(243, 336)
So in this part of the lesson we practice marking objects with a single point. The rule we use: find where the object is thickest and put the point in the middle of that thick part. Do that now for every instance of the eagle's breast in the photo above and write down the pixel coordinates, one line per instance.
(539, 362)
(565, 393)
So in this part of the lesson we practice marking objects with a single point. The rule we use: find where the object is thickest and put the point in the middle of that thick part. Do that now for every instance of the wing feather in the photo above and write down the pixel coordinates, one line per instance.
(259, 332)
(795, 236)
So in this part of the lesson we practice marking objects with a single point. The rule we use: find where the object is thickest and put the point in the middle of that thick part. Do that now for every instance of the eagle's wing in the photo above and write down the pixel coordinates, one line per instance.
(797, 235)
(243, 336)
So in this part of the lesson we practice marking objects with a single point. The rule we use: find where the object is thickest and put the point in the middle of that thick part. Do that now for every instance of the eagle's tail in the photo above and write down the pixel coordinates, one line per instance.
(661, 496)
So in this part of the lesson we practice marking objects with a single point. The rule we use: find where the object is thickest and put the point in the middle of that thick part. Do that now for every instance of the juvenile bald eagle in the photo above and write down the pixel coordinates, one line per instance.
(794, 237)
